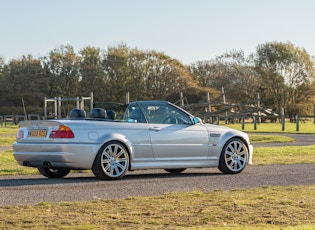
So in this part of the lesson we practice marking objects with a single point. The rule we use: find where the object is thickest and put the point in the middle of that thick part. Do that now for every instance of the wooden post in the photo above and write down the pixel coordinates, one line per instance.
(282, 119)
(258, 105)
(243, 123)
(224, 101)
(45, 108)
(209, 107)
(59, 107)
(78, 102)
(127, 98)
(91, 101)
(297, 122)
(56, 107)
(255, 122)
(182, 104)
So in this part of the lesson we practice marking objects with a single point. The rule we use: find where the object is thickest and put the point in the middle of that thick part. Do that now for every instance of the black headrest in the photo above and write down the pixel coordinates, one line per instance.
(98, 113)
(111, 114)
(77, 113)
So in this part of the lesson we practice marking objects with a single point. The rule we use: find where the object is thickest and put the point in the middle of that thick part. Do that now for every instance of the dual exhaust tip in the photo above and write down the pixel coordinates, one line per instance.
(45, 164)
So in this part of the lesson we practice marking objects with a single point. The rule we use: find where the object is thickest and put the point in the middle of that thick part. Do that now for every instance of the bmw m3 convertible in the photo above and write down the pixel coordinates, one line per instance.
(151, 135)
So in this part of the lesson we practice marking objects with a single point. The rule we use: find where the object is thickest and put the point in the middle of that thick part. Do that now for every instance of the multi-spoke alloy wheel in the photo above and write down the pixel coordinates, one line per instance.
(111, 162)
(234, 156)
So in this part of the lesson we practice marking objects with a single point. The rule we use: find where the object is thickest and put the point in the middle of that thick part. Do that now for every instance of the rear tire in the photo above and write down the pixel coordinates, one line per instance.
(53, 172)
(234, 156)
(175, 170)
(111, 162)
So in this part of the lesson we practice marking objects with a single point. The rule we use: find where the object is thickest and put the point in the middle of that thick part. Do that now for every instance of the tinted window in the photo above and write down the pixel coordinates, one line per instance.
(163, 113)
(134, 114)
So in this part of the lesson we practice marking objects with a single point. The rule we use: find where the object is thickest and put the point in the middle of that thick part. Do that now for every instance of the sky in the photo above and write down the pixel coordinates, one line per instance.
(187, 30)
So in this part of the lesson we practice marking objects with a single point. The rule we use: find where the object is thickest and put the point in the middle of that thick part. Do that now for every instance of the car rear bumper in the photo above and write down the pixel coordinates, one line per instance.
(74, 156)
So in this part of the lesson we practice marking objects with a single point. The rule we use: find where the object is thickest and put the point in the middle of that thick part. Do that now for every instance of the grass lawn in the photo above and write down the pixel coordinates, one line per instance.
(307, 126)
(259, 208)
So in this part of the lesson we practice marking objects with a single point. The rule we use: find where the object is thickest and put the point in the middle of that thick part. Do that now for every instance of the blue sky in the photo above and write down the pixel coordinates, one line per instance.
(188, 30)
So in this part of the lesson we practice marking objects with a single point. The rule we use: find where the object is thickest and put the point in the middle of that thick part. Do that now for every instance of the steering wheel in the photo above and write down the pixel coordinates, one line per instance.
(170, 120)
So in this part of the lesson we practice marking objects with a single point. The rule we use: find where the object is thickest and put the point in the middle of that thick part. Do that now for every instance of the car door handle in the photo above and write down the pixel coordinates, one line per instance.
(156, 129)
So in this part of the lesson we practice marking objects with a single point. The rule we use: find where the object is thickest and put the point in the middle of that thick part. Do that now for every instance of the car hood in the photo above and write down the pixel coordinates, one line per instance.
(211, 127)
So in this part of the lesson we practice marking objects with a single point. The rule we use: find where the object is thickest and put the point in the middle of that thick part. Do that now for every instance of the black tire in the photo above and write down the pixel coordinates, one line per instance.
(53, 172)
(175, 170)
(234, 156)
(111, 162)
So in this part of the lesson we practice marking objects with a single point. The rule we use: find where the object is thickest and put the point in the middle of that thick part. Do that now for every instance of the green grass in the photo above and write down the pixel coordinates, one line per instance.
(6, 140)
(8, 165)
(284, 155)
(259, 208)
(304, 127)
(255, 138)
(11, 129)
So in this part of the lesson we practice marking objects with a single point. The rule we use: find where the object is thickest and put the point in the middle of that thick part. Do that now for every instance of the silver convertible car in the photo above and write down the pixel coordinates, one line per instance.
(151, 135)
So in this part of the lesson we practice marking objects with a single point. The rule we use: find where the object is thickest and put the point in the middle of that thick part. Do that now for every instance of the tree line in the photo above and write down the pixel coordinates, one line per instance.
(281, 73)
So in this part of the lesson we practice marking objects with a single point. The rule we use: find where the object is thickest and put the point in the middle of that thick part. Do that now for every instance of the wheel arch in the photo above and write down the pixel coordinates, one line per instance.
(227, 137)
(117, 137)
(235, 162)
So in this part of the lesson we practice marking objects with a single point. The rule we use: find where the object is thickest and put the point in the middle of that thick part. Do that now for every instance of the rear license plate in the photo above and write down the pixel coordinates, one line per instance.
(37, 133)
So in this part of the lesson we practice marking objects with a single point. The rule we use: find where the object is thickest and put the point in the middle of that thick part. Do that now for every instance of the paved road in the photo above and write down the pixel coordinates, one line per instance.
(18, 190)
(301, 139)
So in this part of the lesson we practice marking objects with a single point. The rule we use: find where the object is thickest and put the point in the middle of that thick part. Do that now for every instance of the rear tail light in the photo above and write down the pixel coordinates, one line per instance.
(62, 132)
(20, 134)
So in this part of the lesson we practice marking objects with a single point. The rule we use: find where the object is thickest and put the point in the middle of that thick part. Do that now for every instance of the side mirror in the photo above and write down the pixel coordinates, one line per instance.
(196, 120)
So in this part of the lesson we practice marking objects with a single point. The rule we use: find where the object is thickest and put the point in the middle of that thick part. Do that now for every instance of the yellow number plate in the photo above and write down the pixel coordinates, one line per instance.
(37, 133)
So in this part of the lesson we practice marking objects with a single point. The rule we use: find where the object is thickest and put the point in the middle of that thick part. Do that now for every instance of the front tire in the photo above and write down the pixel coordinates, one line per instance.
(234, 156)
(53, 172)
(111, 162)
